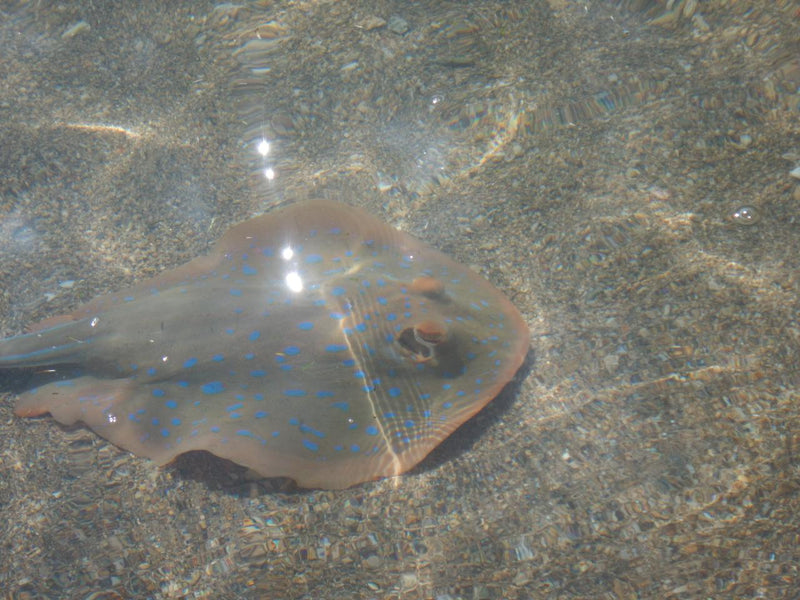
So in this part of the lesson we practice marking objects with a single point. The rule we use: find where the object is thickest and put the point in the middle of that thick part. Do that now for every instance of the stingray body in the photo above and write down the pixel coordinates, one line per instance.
(314, 342)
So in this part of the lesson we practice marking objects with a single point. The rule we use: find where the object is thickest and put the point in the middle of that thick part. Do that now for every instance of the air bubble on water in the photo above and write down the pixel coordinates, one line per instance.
(745, 215)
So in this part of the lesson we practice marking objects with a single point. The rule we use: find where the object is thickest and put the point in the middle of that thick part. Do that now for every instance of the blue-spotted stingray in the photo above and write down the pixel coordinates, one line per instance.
(314, 343)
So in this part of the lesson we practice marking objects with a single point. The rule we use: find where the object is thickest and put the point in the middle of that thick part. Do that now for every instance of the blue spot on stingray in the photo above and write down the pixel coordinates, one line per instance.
(248, 270)
(343, 406)
(158, 393)
(176, 421)
(171, 404)
(151, 371)
(261, 414)
(165, 432)
(355, 448)
(134, 367)
(236, 292)
(218, 358)
(258, 373)
(359, 374)
(249, 356)
(213, 387)
(382, 300)
(313, 259)
(446, 386)
(183, 384)
(215, 428)
(258, 396)
(361, 327)
(337, 315)
(305, 326)
(394, 392)
(409, 424)
(310, 445)
(291, 350)
(338, 291)
(230, 331)
(447, 405)
(254, 336)
(371, 430)
(335, 230)
(389, 415)
(189, 363)
(335, 348)
(391, 317)
(295, 392)
(294, 421)
(233, 407)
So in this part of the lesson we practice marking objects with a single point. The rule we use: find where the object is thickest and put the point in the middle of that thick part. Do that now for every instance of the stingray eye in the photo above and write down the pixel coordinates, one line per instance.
(429, 287)
(421, 340)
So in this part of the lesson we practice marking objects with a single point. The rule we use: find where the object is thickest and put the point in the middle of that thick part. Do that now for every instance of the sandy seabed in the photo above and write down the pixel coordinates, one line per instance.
(628, 174)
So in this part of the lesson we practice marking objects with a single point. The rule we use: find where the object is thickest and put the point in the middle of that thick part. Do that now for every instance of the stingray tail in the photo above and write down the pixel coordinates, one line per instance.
(55, 345)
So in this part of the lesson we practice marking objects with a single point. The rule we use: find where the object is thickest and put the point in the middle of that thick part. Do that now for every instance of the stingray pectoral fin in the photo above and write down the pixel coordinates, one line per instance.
(84, 399)
(104, 405)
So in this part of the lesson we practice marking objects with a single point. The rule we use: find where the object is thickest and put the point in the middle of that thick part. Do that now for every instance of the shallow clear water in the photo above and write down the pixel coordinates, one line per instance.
(625, 172)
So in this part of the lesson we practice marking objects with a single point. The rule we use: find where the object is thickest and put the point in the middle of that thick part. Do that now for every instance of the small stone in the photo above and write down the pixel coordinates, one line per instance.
(408, 581)
(370, 23)
(611, 362)
(397, 25)
(74, 29)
